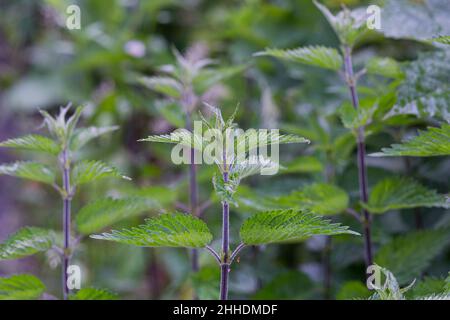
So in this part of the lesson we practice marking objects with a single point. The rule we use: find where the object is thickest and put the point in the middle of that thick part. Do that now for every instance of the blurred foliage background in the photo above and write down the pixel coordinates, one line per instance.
(43, 65)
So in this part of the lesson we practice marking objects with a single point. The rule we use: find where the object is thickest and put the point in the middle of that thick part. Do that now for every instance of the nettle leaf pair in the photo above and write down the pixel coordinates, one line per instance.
(273, 226)
(63, 146)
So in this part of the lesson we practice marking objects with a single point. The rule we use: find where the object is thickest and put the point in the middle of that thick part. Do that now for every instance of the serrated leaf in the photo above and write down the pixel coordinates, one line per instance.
(27, 241)
(254, 165)
(402, 193)
(91, 170)
(164, 85)
(32, 142)
(251, 139)
(425, 91)
(430, 143)
(354, 118)
(93, 294)
(441, 39)
(226, 190)
(59, 126)
(426, 287)
(437, 296)
(320, 198)
(386, 67)
(179, 136)
(418, 20)
(167, 230)
(409, 255)
(287, 226)
(349, 25)
(328, 58)
(21, 287)
(29, 170)
(102, 213)
(391, 289)
(83, 135)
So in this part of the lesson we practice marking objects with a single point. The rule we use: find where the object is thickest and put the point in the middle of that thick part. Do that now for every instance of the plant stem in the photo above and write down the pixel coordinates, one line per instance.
(224, 266)
(361, 154)
(65, 164)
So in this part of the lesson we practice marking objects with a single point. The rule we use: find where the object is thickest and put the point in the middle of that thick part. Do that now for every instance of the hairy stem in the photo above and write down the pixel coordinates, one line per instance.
(225, 263)
(361, 154)
(67, 196)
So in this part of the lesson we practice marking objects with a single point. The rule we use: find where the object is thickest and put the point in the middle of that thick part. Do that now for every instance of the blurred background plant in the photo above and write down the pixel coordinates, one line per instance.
(44, 65)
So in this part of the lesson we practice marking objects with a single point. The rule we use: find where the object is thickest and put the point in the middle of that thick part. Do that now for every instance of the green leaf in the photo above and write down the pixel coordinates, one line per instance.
(179, 136)
(32, 142)
(251, 139)
(441, 39)
(425, 91)
(226, 190)
(172, 112)
(328, 58)
(83, 135)
(391, 289)
(386, 67)
(167, 230)
(291, 285)
(287, 226)
(426, 287)
(27, 241)
(353, 290)
(417, 20)
(352, 118)
(447, 283)
(349, 25)
(402, 193)
(102, 213)
(206, 282)
(59, 126)
(430, 143)
(29, 170)
(93, 294)
(320, 198)
(164, 85)
(409, 255)
(90, 170)
(253, 165)
(21, 287)
(303, 164)
(207, 78)
(439, 296)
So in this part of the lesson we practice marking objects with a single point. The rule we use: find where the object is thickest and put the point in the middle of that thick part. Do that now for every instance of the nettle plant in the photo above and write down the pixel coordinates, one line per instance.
(185, 230)
(387, 287)
(63, 148)
(370, 114)
(193, 78)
